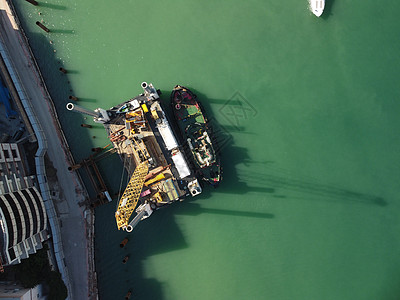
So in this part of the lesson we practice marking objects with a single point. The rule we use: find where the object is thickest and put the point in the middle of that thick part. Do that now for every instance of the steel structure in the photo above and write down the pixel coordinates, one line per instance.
(130, 197)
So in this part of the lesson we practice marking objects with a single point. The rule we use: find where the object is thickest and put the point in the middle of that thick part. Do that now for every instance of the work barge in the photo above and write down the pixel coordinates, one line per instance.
(159, 172)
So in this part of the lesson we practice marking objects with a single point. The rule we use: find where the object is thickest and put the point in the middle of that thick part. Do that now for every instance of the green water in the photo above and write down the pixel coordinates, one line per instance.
(307, 111)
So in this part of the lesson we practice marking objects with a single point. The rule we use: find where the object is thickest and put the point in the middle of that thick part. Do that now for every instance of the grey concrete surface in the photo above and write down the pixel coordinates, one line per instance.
(67, 186)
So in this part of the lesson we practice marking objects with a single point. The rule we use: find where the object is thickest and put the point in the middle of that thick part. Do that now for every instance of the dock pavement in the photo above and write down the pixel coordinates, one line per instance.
(74, 222)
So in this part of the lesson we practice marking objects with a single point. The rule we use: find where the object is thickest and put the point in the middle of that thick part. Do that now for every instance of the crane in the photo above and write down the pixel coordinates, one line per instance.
(130, 197)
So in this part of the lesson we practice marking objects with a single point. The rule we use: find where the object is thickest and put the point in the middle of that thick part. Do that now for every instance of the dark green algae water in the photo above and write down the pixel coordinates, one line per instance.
(307, 114)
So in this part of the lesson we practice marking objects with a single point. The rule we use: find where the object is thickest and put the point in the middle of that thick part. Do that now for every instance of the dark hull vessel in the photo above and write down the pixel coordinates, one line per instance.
(195, 132)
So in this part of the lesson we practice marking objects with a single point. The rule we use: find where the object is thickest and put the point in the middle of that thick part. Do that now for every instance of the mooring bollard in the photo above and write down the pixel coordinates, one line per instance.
(86, 125)
(62, 70)
(73, 98)
(32, 2)
(42, 26)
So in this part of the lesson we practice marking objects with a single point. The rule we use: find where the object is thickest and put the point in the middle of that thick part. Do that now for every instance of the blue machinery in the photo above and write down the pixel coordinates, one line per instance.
(5, 99)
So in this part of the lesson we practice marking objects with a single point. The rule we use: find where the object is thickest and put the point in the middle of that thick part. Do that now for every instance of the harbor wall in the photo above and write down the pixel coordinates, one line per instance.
(41, 171)
(24, 98)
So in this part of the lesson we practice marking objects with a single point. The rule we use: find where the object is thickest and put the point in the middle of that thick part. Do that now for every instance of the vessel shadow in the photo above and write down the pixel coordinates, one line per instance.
(194, 209)
(312, 188)
(69, 71)
(83, 99)
(328, 9)
(231, 155)
(271, 179)
(52, 6)
(165, 237)
(62, 31)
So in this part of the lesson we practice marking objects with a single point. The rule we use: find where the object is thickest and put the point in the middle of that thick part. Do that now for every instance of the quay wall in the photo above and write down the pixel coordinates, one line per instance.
(40, 154)
(41, 171)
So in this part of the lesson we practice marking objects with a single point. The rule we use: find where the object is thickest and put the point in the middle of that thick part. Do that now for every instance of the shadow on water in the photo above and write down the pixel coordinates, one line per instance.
(80, 144)
(86, 99)
(221, 101)
(52, 6)
(328, 9)
(58, 84)
(281, 180)
(270, 179)
(160, 234)
(233, 106)
(194, 209)
(235, 129)
(73, 71)
(99, 126)
(60, 89)
(230, 154)
(63, 31)
(232, 182)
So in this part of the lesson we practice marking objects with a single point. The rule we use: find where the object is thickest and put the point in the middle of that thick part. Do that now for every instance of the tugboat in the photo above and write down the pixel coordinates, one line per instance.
(194, 130)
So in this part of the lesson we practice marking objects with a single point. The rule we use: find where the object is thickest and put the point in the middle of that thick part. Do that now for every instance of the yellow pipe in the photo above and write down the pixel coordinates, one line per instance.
(155, 179)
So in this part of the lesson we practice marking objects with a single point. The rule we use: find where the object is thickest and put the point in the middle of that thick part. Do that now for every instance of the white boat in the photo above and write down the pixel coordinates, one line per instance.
(317, 7)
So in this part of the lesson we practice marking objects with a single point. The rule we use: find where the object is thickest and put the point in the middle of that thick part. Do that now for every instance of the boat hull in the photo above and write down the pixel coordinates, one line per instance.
(317, 7)
(195, 134)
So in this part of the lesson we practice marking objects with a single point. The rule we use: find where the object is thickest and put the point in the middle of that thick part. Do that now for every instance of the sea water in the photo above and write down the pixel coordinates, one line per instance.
(306, 111)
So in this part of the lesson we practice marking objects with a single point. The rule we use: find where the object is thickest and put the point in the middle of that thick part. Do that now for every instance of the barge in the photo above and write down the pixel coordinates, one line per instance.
(159, 171)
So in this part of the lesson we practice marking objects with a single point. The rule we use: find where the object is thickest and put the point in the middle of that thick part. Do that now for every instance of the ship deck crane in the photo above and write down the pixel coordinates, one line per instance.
(130, 197)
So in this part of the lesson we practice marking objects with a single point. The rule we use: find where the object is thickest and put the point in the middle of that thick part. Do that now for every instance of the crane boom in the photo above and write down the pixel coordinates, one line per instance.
(130, 197)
